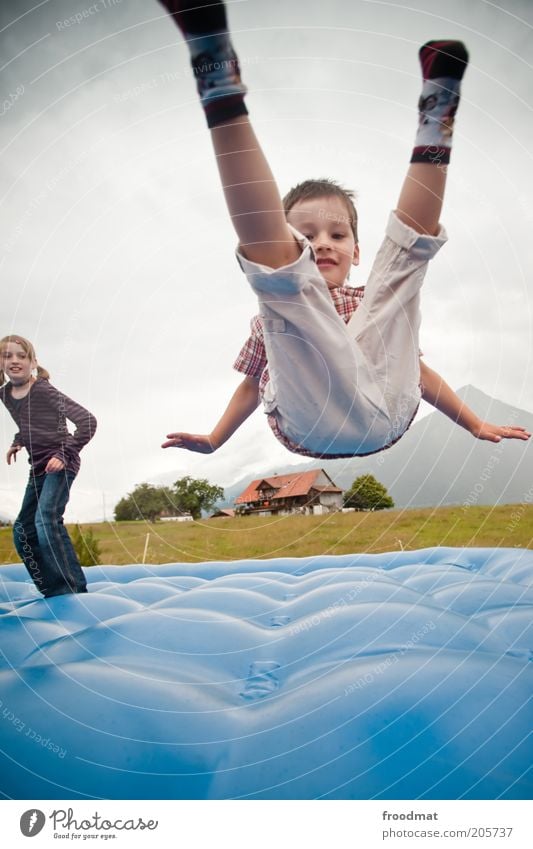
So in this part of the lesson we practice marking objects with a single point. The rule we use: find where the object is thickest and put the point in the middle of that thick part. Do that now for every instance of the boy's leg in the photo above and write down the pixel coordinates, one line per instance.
(386, 326)
(251, 193)
(420, 203)
(252, 196)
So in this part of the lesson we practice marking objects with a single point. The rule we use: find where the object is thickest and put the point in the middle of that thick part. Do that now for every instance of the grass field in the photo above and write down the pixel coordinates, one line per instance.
(301, 536)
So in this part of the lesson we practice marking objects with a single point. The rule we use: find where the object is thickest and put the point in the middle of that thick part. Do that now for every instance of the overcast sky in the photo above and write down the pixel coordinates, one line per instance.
(116, 252)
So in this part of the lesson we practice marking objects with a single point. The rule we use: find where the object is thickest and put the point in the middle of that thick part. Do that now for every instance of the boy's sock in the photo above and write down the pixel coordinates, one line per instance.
(443, 65)
(214, 61)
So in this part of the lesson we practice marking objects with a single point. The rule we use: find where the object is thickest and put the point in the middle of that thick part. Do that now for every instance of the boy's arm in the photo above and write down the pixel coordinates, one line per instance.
(441, 396)
(243, 402)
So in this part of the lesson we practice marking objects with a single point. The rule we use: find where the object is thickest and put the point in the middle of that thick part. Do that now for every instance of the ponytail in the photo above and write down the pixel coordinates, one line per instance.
(42, 372)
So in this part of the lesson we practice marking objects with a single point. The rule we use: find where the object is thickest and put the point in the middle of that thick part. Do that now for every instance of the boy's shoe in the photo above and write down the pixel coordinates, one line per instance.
(443, 65)
(443, 59)
(197, 17)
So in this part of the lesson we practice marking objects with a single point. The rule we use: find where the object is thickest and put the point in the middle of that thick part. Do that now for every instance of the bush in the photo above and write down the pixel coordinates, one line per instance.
(86, 546)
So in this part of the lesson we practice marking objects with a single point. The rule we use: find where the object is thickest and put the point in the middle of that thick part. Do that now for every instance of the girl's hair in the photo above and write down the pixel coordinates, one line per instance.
(311, 189)
(29, 351)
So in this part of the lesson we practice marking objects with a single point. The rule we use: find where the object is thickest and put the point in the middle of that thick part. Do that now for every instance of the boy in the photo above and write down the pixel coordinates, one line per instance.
(344, 376)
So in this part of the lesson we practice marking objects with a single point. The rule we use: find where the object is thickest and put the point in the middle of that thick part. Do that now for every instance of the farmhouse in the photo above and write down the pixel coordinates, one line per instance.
(181, 517)
(303, 492)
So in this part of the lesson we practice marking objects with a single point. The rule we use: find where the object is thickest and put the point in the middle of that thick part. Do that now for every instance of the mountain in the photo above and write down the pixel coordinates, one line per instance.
(438, 463)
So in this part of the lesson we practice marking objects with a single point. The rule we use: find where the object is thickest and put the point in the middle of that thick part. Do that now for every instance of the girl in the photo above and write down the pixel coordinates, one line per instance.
(40, 412)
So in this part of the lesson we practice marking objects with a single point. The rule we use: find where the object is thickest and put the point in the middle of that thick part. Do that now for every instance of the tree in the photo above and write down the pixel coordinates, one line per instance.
(145, 502)
(186, 496)
(367, 493)
(86, 546)
(192, 496)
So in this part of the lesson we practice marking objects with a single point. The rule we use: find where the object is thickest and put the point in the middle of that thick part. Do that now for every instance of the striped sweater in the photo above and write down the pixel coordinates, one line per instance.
(41, 417)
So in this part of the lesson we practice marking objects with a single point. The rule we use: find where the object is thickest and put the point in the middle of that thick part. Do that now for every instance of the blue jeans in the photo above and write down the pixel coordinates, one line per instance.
(41, 539)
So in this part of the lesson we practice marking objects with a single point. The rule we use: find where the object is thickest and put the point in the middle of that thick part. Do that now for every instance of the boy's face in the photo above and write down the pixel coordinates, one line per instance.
(16, 363)
(326, 223)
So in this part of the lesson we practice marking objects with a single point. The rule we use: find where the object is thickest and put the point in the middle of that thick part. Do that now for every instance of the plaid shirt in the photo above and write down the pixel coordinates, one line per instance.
(252, 359)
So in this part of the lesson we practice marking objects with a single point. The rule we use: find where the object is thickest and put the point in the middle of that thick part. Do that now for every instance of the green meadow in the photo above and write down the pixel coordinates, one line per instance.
(301, 536)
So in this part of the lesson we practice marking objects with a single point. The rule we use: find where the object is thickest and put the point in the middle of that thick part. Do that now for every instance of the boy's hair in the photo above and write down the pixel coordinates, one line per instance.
(310, 189)
(29, 351)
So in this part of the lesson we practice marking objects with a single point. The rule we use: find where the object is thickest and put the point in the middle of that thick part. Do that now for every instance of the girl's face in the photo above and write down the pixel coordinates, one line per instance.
(16, 363)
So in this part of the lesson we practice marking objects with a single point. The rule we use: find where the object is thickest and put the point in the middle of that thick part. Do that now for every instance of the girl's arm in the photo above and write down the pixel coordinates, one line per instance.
(243, 402)
(85, 426)
(84, 420)
(441, 396)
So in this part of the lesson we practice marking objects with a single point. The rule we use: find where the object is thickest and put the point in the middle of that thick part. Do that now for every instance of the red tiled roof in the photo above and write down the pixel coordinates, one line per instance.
(286, 486)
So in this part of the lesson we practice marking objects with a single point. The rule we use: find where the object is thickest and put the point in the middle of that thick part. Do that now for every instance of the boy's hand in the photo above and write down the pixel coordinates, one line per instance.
(495, 433)
(201, 443)
(12, 454)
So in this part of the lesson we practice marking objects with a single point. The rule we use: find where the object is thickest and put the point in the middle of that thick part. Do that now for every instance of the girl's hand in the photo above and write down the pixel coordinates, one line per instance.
(201, 443)
(495, 433)
(54, 465)
(12, 454)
